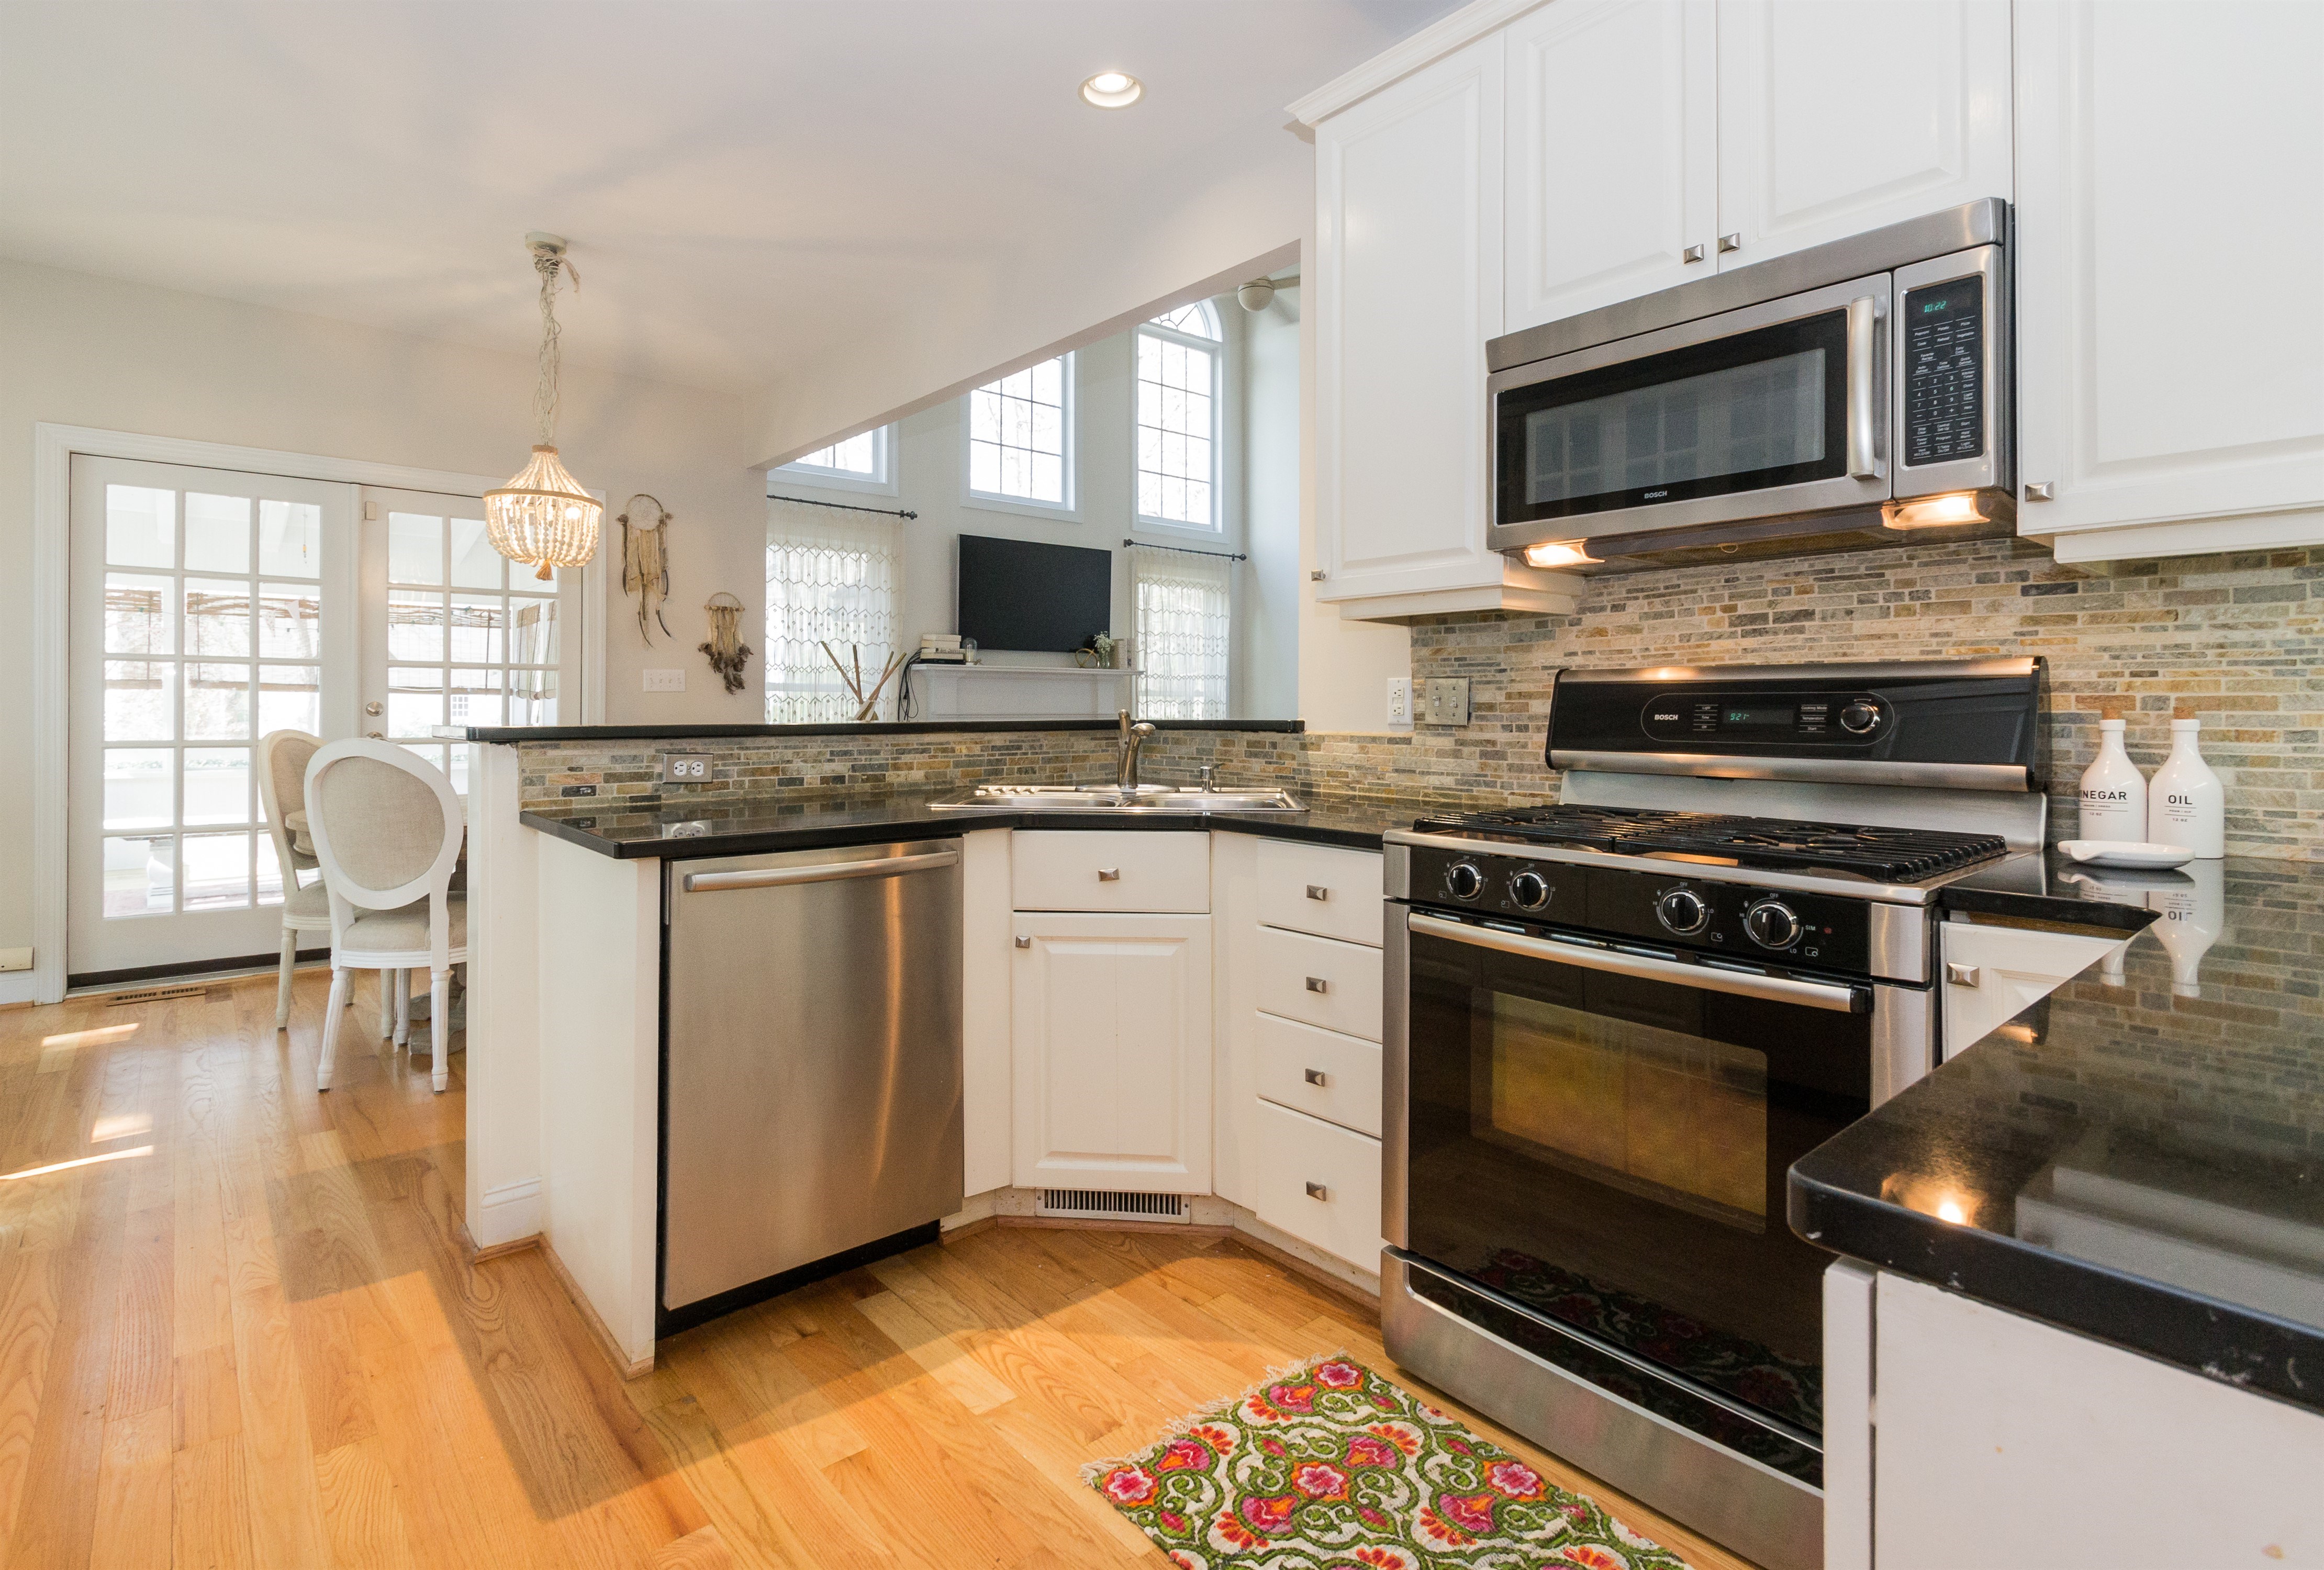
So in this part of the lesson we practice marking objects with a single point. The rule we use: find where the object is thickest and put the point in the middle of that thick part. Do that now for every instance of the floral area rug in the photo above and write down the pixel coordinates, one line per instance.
(1328, 1467)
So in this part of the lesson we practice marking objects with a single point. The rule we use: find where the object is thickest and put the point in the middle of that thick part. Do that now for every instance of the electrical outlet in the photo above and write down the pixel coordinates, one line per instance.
(1444, 700)
(1399, 702)
(583, 790)
(15, 959)
(686, 768)
(666, 681)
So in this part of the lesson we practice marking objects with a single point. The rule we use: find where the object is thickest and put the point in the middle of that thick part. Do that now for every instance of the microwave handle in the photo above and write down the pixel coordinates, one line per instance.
(1647, 967)
(1864, 458)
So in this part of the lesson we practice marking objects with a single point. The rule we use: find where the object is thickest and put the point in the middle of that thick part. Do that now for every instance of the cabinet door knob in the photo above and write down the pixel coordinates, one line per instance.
(1317, 1076)
(1317, 891)
(1024, 943)
(1318, 1191)
(2041, 490)
(1730, 243)
(1692, 254)
(1963, 975)
(1317, 983)
(1108, 875)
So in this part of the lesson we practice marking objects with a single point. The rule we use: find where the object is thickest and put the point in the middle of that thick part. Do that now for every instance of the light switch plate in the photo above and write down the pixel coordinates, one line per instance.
(1445, 701)
(1399, 702)
(686, 768)
(666, 681)
(15, 959)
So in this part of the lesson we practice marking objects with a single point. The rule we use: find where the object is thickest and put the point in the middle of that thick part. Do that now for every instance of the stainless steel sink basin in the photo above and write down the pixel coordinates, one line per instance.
(1106, 798)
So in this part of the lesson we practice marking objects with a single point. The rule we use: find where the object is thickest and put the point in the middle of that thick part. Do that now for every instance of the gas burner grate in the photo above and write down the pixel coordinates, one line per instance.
(1887, 854)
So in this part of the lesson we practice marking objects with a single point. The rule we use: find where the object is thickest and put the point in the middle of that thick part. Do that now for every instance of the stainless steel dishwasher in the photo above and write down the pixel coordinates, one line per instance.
(811, 1065)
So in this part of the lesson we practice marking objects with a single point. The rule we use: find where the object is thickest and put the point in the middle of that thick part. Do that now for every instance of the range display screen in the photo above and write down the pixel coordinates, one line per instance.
(1756, 716)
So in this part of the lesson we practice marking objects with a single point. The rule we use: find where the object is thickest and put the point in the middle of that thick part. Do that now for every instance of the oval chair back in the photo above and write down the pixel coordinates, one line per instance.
(282, 757)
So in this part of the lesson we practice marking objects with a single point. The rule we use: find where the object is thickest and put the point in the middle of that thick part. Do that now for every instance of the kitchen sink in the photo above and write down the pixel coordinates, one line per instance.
(1107, 798)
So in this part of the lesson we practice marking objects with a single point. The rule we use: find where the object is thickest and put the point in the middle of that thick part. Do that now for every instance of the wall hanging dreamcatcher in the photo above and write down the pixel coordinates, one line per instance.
(645, 561)
(727, 651)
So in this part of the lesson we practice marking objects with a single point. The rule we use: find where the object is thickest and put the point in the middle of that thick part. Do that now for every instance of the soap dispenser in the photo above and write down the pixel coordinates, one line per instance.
(2186, 804)
(2114, 793)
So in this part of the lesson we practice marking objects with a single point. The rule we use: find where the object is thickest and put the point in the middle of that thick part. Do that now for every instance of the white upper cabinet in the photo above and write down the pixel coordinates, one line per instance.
(2170, 226)
(1613, 154)
(1837, 118)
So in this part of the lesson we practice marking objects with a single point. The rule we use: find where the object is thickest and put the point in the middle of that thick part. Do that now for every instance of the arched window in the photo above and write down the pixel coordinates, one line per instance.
(1180, 359)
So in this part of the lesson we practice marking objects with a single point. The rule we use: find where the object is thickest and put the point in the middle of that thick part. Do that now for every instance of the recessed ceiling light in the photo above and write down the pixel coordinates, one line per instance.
(1113, 90)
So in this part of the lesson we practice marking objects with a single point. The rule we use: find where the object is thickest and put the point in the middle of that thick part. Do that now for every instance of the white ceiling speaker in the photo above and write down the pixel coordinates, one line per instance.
(1257, 295)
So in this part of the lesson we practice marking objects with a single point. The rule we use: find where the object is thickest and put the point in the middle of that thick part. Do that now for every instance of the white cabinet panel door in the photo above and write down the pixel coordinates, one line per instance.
(1112, 1030)
(1409, 289)
(1613, 156)
(1836, 118)
(2171, 370)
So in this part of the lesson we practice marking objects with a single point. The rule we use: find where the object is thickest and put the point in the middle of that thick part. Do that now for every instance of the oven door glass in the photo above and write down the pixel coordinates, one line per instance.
(1748, 411)
(1608, 1152)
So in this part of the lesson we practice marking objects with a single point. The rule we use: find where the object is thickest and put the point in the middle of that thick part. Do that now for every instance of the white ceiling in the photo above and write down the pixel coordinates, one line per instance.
(748, 186)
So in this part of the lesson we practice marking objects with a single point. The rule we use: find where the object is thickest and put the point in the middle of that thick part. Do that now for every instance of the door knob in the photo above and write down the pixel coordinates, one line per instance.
(1317, 1076)
(1108, 875)
(1692, 254)
(374, 736)
(1317, 983)
(1024, 943)
(1730, 243)
(373, 708)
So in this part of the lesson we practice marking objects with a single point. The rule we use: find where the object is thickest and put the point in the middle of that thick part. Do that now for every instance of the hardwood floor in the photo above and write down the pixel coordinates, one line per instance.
(239, 1327)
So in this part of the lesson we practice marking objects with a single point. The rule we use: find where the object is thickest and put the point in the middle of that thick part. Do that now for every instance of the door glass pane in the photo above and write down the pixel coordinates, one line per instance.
(217, 785)
(532, 698)
(270, 872)
(140, 528)
(290, 698)
(218, 533)
(432, 753)
(415, 700)
(290, 539)
(137, 700)
(217, 871)
(532, 637)
(291, 620)
(217, 703)
(140, 614)
(217, 616)
(140, 789)
(474, 697)
(415, 548)
(459, 769)
(141, 876)
(474, 563)
(479, 627)
(415, 625)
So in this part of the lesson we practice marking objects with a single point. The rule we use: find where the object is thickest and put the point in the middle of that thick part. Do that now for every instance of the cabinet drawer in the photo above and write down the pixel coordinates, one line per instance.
(1320, 981)
(1110, 870)
(1320, 1184)
(1315, 889)
(1323, 1073)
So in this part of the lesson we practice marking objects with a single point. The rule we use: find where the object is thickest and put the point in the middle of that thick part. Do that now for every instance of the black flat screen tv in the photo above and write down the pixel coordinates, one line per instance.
(1022, 594)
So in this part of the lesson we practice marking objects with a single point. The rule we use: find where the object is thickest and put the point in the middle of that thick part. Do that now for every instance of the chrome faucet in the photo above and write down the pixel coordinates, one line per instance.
(1133, 736)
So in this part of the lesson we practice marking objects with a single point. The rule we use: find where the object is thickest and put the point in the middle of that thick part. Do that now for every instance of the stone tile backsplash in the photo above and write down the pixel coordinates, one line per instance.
(2235, 639)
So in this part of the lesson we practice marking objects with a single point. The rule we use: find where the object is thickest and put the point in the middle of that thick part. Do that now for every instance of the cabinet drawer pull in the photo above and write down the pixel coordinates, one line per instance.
(1108, 875)
(1317, 1078)
(1692, 254)
(1730, 243)
(1963, 975)
(1317, 983)
(2041, 490)
(1316, 890)
(1024, 943)
(1318, 1191)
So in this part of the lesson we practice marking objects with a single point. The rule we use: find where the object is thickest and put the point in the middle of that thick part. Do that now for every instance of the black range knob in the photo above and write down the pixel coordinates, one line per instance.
(1463, 881)
(1682, 911)
(1529, 891)
(1772, 924)
(1858, 717)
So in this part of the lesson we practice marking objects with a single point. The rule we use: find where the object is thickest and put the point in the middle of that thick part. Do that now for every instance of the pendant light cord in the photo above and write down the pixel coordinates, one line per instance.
(544, 392)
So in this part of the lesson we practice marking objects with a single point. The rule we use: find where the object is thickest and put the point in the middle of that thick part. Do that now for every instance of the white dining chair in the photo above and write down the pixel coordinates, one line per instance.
(282, 757)
(387, 829)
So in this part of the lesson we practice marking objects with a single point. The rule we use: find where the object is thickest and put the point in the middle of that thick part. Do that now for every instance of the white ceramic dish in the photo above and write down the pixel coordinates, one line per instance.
(2125, 853)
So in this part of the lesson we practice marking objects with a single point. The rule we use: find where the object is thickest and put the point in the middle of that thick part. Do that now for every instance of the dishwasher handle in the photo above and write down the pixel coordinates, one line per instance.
(823, 872)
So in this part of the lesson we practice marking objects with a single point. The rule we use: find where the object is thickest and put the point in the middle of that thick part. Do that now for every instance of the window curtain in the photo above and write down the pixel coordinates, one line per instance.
(829, 580)
(1184, 616)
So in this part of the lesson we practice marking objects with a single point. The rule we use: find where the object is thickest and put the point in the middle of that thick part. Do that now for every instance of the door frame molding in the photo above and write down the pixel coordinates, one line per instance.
(54, 447)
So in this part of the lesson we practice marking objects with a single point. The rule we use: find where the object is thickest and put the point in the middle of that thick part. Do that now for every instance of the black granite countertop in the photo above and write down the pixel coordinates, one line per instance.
(2138, 1158)
(657, 826)
(519, 733)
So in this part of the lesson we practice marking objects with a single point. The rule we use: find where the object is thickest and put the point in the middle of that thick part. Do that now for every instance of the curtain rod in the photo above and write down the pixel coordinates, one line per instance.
(1188, 551)
(842, 506)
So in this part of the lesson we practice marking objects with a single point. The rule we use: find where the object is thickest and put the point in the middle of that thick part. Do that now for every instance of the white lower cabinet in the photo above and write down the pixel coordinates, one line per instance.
(1319, 1182)
(1995, 973)
(1111, 1047)
(1320, 1072)
(1321, 980)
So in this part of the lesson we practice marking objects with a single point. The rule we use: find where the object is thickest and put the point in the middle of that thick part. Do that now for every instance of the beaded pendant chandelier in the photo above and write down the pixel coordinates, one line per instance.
(542, 516)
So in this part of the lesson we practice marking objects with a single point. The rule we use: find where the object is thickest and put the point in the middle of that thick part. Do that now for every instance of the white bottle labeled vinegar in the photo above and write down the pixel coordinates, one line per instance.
(2186, 804)
(2114, 793)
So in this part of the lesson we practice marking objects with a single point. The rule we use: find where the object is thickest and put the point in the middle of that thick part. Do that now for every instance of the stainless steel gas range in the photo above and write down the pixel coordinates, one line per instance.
(1613, 1025)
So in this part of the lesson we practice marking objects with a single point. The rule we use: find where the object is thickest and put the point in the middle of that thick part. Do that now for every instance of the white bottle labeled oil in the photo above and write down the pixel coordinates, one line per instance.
(2186, 804)
(2114, 793)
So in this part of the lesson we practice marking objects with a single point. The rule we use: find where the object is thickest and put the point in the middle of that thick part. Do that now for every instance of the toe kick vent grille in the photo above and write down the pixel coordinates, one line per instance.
(1093, 1203)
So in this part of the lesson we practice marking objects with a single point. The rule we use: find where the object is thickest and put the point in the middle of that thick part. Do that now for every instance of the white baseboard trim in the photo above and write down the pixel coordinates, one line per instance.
(19, 987)
(506, 1213)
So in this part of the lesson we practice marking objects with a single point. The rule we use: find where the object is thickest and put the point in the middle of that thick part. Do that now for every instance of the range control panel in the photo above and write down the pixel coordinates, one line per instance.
(1679, 717)
(1944, 371)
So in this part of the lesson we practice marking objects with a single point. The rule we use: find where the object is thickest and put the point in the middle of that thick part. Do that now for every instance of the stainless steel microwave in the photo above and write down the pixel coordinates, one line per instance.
(1837, 396)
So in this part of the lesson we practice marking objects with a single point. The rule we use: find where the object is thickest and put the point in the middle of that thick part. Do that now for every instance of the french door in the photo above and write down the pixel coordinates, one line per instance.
(207, 608)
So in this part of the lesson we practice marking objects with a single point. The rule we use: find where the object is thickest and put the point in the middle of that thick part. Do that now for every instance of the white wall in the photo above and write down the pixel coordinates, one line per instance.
(85, 351)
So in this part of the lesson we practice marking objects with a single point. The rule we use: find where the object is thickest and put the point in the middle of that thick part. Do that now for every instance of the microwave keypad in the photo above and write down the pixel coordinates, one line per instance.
(1944, 353)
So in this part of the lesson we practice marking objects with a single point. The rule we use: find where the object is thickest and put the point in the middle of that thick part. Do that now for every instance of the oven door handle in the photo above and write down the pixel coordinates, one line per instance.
(1824, 995)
